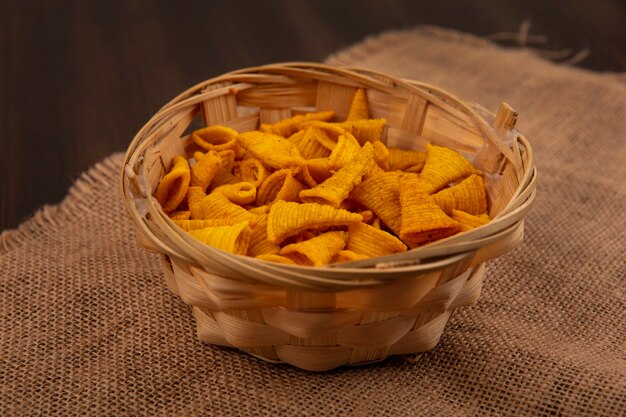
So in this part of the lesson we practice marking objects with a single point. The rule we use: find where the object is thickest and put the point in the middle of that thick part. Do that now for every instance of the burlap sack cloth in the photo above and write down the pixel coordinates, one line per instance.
(87, 325)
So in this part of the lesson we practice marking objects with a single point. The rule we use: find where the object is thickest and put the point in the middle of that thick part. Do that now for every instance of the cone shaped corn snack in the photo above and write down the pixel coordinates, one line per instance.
(259, 245)
(337, 188)
(281, 185)
(402, 159)
(242, 193)
(443, 166)
(348, 256)
(216, 138)
(205, 168)
(370, 241)
(252, 170)
(288, 127)
(380, 193)
(275, 151)
(422, 220)
(308, 144)
(468, 221)
(468, 195)
(234, 239)
(217, 206)
(173, 187)
(359, 109)
(290, 219)
(317, 251)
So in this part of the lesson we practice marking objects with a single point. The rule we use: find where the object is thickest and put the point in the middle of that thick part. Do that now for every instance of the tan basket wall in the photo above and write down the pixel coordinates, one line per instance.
(321, 318)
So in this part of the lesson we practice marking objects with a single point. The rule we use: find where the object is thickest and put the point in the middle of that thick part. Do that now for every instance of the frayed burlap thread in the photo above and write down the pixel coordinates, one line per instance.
(87, 325)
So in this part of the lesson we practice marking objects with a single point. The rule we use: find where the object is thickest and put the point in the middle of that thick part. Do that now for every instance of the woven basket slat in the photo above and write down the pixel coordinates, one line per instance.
(414, 115)
(348, 314)
(335, 97)
(219, 109)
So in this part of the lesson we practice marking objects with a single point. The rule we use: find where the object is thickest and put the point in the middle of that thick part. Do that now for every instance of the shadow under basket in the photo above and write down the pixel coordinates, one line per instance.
(350, 314)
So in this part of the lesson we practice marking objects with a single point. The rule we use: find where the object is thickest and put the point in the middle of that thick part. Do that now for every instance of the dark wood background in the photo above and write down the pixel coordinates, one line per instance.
(79, 78)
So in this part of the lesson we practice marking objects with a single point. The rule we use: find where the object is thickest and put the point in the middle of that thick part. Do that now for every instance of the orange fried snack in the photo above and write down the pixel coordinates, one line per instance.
(348, 256)
(370, 241)
(381, 155)
(319, 169)
(317, 251)
(337, 188)
(215, 138)
(234, 239)
(241, 193)
(259, 245)
(288, 219)
(275, 151)
(308, 144)
(281, 185)
(443, 166)
(173, 186)
(204, 170)
(469, 196)
(468, 221)
(253, 171)
(325, 133)
(380, 193)
(346, 149)
(422, 220)
(370, 130)
(359, 109)
(402, 159)
(217, 206)
(288, 127)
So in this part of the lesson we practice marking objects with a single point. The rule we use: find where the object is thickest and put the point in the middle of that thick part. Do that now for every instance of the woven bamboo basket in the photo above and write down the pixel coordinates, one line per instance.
(351, 314)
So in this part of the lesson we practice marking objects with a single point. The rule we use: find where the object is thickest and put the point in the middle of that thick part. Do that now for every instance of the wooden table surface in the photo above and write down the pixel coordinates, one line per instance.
(79, 78)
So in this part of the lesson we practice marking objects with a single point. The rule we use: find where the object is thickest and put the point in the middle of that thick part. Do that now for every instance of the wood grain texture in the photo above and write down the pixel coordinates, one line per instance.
(78, 79)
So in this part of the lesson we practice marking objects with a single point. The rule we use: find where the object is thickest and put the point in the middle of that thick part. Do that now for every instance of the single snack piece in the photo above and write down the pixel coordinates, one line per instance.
(204, 170)
(215, 138)
(288, 127)
(422, 220)
(290, 219)
(370, 130)
(234, 239)
(275, 151)
(217, 206)
(403, 159)
(348, 256)
(443, 166)
(281, 185)
(359, 109)
(469, 195)
(173, 187)
(242, 193)
(468, 221)
(259, 245)
(380, 193)
(337, 188)
(317, 251)
(370, 241)
(252, 170)
(308, 143)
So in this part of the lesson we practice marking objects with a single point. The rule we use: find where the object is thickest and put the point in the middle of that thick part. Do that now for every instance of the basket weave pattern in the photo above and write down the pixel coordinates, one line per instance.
(322, 318)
